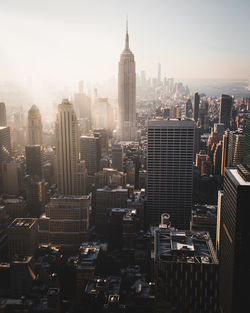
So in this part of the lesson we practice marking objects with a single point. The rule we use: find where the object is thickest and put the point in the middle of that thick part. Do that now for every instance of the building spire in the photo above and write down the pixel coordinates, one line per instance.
(127, 38)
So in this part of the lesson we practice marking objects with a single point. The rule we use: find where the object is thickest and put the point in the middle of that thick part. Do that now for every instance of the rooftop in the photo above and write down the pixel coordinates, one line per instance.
(237, 177)
(68, 197)
(176, 246)
(204, 211)
(110, 286)
(23, 223)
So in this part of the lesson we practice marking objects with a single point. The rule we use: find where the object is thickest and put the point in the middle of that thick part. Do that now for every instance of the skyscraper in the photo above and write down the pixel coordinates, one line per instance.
(236, 144)
(67, 148)
(35, 129)
(234, 241)
(196, 106)
(117, 157)
(225, 113)
(82, 103)
(90, 152)
(189, 109)
(170, 170)
(246, 158)
(3, 120)
(34, 160)
(127, 93)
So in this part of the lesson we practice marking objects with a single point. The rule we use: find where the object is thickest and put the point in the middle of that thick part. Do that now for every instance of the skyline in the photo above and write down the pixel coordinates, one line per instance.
(190, 40)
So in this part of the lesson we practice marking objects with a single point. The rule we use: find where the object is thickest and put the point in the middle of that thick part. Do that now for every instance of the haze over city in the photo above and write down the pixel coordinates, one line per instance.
(57, 43)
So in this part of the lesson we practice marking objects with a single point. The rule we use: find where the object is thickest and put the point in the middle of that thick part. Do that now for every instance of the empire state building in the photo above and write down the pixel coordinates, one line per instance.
(126, 93)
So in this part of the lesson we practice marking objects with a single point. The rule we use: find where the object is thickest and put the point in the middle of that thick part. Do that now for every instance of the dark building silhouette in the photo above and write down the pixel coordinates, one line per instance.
(90, 152)
(185, 269)
(234, 241)
(196, 106)
(34, 160)
(225, 113)
(246, 157)
(3, 120)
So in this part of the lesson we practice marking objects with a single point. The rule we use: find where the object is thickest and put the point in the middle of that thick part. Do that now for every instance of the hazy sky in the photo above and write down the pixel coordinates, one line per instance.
(68, 40)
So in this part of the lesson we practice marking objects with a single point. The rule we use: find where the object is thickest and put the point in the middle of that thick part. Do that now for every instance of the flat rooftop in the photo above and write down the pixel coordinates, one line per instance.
(23, 223)
(68, 197)
(205, 211)
(185, 246)
(237, 177)
(171, 123)
(3, 127)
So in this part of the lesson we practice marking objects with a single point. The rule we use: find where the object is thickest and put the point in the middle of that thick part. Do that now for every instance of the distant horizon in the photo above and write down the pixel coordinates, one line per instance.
(63, 41)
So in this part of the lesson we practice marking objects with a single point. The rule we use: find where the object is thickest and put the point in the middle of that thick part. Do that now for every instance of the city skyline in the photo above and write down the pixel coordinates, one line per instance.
(190, 40)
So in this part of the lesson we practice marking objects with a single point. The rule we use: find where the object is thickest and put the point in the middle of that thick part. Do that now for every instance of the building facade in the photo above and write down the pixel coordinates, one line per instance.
(170, 170)
(35, 128)
(234, 240)
(67, 148)
(127, 94)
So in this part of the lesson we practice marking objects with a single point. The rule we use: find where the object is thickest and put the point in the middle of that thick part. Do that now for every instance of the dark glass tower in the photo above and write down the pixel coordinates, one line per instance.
(34, 160)
(234, 241)
(196, 106)
(226, 103)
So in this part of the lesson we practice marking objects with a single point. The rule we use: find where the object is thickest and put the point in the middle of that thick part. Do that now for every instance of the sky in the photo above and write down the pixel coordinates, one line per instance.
(64, 41)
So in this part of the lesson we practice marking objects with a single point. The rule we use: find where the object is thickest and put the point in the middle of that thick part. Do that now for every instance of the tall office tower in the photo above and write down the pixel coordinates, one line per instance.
(90, 152)
(104, 139)
(5, 150)
(236, 143)
(34, 160)
(203, 115)
(224, 152)
(117, 157)
(3, 119)
(23, 236)
(196, 106)
(234, 241)
(127, 94)
(246, 157)
(170, 170)
(226, 103)
(35, 128)
(189, 109)
(67, 148)
(65, 222)
(82, 103)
